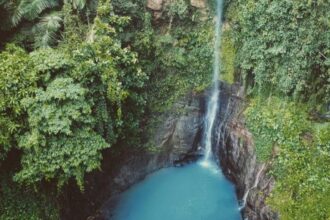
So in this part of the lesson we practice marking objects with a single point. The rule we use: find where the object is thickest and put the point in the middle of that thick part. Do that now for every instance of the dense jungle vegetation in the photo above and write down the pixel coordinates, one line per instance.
(78, 77)
(283, 58)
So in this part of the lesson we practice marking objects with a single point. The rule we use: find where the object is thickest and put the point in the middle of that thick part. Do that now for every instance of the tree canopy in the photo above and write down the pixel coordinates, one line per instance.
(283, 46)
(63, 106)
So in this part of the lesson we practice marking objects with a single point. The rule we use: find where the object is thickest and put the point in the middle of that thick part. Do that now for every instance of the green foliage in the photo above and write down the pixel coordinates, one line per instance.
(176, 53)
(302, 172)
(228, 55)
(60, 143)
(37, 23)
(133, 8)
(177, 9)
(183, 62)
(20, 74)
(74, 29)
(98, 86)
(77, 4)
(114, 77)
(30, 9)
(61, 107)
(17, 202)
(17, 81)
(49, 62)
(275, 123)
(279, 50)
(28, 22)
(301, 157)
(46, 31)
(54, 111)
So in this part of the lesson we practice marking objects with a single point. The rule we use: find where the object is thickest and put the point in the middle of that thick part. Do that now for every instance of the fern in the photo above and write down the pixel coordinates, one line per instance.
(31, 9)
(17, 14)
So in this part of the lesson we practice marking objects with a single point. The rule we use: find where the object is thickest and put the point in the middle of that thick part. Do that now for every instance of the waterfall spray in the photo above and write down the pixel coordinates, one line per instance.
(212, 106)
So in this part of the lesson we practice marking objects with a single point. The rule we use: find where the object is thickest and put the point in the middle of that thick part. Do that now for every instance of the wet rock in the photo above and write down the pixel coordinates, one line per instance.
(236, 152)
(187, 159)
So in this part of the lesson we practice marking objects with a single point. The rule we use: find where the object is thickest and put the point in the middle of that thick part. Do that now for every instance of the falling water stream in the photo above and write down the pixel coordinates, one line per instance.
(212, 106)
(197, 191)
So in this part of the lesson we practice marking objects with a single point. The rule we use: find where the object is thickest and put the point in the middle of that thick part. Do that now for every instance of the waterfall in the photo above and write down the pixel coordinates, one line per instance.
(212, 105)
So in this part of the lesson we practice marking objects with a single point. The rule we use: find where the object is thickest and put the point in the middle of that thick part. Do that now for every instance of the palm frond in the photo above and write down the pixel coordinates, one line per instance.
(43, 41)
(46, 30)
(80, 4)
(35, 7)
(17, 14)
(51, 21)
(31, 9)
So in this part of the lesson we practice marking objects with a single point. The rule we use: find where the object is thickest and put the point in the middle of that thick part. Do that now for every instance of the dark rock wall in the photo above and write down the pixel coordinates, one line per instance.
(237, 157)
(239, 164)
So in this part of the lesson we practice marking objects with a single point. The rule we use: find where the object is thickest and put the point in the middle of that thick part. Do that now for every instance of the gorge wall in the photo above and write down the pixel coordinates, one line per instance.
(237, 157)
(177, 142)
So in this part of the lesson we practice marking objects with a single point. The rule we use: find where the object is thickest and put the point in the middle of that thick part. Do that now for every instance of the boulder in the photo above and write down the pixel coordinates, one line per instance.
(155, 5)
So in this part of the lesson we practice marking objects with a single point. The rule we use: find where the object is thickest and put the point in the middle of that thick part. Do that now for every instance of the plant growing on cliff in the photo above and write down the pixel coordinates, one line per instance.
(300, 153)
(176, 9)
(17, 81)
(60, 142)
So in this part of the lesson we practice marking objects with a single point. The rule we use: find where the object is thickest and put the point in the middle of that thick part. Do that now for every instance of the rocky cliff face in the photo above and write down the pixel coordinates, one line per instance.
(175, 137)
(239, 164)
(237, 157)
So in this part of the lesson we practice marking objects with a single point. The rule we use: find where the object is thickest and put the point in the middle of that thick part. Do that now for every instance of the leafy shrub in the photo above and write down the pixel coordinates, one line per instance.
(18, 202)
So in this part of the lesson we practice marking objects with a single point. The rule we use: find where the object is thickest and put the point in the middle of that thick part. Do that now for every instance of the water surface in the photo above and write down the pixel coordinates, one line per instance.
(193, 192)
